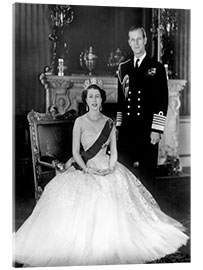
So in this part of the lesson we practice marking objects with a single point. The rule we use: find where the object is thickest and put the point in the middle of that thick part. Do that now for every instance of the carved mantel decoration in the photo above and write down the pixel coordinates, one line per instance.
(65, 92)
(169, 145)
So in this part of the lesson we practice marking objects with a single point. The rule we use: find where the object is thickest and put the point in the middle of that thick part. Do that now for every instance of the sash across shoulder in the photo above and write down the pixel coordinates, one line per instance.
(97, 145)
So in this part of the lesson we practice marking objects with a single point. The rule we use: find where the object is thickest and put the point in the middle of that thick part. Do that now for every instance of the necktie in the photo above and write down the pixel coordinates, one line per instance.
(136, 64)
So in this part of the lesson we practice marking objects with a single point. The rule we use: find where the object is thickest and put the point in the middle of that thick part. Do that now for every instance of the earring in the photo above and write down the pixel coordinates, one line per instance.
(87, 108)
(100, 108)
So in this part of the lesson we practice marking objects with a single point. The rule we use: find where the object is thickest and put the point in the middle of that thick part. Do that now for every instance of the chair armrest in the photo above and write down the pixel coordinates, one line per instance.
(47, 161)
(52, 163)
(46, 164)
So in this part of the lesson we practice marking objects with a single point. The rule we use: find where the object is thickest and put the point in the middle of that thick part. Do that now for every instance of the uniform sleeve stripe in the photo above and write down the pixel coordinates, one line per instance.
(157, 121)
(158, 127)
(159, 117)
(119, 118)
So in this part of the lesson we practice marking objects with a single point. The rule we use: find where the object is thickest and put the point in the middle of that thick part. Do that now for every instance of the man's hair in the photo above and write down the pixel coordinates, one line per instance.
(134, 28)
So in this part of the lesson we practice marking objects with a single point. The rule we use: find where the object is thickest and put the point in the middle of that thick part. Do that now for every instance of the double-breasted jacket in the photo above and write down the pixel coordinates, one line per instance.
(142, 96)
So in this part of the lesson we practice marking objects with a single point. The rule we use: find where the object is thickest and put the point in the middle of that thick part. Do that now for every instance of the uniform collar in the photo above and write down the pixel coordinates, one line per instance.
(141, 59)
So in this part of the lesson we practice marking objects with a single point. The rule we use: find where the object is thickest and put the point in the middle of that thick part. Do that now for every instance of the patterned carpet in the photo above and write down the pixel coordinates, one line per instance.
(178, 257)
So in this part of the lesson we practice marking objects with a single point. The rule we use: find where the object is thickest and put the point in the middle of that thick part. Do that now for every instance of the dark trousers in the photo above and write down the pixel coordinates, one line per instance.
(135, 146)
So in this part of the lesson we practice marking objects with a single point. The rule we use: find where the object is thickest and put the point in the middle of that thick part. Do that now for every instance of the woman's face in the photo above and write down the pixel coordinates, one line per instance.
(93, 99)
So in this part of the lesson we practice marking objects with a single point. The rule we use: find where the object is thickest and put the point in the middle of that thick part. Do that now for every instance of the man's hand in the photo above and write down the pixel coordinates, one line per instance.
(155, 137)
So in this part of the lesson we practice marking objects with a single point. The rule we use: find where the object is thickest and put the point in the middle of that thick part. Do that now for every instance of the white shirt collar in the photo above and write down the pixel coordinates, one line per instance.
(141, 59)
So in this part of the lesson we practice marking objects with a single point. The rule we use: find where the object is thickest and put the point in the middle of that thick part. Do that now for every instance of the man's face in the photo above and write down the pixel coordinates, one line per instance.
(137, 42)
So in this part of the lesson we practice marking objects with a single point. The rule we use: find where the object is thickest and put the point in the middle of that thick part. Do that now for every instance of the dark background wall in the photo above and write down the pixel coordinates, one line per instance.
(104, 28)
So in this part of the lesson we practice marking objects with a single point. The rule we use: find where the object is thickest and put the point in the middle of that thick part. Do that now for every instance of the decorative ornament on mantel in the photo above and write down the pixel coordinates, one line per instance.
(115, 58)
(88, 59)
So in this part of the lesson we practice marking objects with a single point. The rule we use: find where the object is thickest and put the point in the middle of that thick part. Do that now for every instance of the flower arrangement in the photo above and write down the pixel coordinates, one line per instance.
(165, 25)
(171, 167)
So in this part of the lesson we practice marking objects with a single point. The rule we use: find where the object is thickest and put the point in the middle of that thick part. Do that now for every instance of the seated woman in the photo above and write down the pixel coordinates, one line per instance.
(96, 212)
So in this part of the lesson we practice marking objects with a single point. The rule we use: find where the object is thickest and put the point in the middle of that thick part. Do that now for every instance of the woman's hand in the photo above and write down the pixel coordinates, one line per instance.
(103, 172)
(92, 170)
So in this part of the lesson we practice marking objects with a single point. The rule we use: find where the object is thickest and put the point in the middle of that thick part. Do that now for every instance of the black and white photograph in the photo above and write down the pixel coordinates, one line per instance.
(101, 135)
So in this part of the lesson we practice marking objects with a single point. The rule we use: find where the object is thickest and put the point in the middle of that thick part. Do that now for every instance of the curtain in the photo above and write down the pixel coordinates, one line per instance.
(31, 53)
(183, 58)
(180, 54)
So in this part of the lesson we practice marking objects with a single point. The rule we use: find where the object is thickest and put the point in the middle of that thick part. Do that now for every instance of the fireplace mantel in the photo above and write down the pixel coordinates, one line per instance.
(65, 91)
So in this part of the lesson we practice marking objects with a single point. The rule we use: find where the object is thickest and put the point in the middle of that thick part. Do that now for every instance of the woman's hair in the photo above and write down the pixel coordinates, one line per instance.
(93, 86)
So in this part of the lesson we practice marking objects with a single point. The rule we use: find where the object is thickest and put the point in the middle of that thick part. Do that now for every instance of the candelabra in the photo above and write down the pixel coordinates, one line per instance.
(60, 15)
(163, 30)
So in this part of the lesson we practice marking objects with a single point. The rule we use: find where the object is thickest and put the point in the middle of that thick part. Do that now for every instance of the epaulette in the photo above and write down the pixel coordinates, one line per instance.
(121, 63)
(119, 69)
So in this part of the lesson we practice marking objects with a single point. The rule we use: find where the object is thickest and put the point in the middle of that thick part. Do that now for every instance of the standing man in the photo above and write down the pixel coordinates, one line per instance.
(142, 107)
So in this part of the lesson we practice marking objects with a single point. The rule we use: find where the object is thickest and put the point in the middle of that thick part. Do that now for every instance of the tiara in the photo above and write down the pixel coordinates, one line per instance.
(93, 81)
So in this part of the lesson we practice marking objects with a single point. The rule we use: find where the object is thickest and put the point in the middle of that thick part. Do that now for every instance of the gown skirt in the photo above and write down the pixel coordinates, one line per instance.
(84, 219)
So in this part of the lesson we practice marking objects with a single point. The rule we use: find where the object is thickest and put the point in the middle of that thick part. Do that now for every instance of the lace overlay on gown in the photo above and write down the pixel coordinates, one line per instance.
(84, 219)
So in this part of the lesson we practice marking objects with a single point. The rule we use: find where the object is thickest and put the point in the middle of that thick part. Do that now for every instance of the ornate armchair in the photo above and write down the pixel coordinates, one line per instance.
(51, 143)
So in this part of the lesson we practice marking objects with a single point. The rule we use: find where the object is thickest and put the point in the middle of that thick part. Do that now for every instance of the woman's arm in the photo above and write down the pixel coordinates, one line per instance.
(76, 144)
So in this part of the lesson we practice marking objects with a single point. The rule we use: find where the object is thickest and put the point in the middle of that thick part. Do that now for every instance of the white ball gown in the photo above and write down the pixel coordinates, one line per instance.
(84, 219)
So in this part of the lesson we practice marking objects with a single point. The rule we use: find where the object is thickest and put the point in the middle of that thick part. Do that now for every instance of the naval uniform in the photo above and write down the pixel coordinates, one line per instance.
(142, 108)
